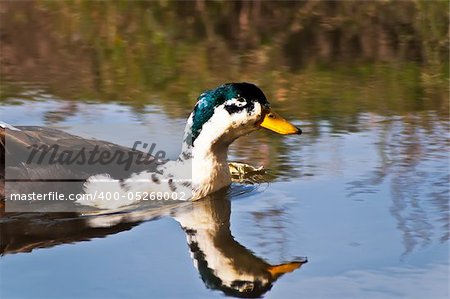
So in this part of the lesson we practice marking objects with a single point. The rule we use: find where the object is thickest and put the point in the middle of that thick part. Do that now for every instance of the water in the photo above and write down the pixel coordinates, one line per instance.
(363, 193)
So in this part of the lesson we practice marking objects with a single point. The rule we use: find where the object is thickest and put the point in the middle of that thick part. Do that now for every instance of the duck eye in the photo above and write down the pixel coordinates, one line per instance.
(240, 102)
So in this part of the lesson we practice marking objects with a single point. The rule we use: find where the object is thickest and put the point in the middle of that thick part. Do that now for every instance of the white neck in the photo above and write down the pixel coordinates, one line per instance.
(208, 158)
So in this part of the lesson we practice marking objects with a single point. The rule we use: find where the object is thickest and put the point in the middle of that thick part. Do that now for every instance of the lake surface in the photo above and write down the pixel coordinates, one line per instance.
(363, 193)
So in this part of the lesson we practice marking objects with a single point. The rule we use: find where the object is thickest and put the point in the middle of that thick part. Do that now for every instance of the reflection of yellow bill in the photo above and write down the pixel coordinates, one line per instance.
(276, 123)
(278, 270)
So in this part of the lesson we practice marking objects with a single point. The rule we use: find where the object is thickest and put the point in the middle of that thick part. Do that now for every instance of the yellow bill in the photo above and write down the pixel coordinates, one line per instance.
(272, 121)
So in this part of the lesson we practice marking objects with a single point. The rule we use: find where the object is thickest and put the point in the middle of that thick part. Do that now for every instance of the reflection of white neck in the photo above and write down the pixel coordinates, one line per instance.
(203, 227)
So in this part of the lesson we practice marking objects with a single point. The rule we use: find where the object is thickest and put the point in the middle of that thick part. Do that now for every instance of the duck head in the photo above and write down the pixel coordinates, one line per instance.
(220, 116)
(223, 114)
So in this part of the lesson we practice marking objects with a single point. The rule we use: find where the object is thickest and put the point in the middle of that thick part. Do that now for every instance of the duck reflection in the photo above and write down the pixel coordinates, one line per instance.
(222, 262)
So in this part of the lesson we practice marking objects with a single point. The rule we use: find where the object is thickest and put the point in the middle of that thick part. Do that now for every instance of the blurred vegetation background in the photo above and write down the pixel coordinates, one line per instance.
(323, 59)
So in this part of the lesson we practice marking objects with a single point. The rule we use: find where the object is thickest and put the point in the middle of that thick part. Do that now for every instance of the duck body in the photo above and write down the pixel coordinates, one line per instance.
(220, 116)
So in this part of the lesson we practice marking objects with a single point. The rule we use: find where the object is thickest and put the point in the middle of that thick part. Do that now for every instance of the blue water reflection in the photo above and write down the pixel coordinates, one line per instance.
(368, 208)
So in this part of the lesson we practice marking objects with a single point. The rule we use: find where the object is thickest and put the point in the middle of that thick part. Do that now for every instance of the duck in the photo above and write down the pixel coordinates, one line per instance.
(219, 117)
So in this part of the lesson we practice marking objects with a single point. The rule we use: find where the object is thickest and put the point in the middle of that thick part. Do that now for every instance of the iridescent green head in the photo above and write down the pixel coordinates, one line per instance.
(229, 111)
